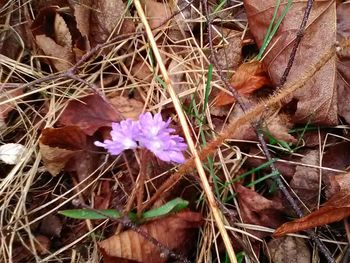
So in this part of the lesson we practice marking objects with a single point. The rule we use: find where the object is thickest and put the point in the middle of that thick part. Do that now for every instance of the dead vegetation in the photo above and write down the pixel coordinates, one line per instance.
(267, 131)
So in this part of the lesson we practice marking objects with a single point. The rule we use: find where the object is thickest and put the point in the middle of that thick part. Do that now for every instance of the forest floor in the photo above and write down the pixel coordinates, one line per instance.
(174, 131)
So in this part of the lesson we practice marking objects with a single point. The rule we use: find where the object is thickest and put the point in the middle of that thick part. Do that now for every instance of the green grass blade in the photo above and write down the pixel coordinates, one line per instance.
(172, 206)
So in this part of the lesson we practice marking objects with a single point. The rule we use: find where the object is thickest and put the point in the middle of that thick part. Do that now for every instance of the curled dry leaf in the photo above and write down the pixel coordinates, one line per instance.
(336, 209)
(90, 113)
(318, 99)
(248, 78)
(258, 210)
(59, 48)
(59, 145)
(305, 181)
(289, 249)
(174, 231)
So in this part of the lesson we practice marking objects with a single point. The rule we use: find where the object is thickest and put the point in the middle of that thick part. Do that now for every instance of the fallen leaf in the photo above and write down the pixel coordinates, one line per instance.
(89, 113)
(230, 55)
(336, 209)
(128, 108)
(105, 16)
(289, 249)
(42, 244)
(277, 126)
(6, 108)
(174, 231)
(61, 57)
(305, 182)
(338, 183)
(53, 37)
(82, 14)
(317, 101)
(258, 210)
(59, 145)
(103, 197)
(51, 226)
(343, 64)
(156, 13)
(337, 157)
(62, 34)
(248, 78)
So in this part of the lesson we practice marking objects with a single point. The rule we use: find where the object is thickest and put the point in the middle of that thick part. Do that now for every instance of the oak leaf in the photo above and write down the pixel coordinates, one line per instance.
(317, 100)
(174, 231)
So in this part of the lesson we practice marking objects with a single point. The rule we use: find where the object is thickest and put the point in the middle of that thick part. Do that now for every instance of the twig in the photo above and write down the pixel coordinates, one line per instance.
(298, 39)
(205, 184)
(144, 156)
(324, 250)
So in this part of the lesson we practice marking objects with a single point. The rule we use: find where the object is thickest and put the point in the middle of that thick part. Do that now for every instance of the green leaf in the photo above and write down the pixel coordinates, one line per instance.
(172, 206)
(91, 214)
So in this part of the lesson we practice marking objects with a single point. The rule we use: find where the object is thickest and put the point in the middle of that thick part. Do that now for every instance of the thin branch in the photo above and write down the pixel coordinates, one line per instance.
(298, 39)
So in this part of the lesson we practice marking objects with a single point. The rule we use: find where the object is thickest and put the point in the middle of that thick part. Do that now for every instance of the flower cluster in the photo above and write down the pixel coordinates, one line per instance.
(148, 132)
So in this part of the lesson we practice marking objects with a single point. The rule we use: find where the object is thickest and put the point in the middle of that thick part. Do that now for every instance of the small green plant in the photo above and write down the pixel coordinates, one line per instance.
(172, 206)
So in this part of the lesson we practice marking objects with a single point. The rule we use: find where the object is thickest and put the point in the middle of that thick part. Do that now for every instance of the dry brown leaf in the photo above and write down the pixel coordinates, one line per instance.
(156, 13)
(276, 125)
(59, 145)
(141, 71)
(289, 250)
(128, 108)
(7, 107)
(248, 78)
(51, 226)
(62, 34)
(89, 114)
(82, 17)
(62, 58)
(318, 99)
(258, 210)
(105, 16)
(230, 55)
(338, 183)
(336, 209)
(343, 65)
(174, 231)
(42, 244)
(305, 181)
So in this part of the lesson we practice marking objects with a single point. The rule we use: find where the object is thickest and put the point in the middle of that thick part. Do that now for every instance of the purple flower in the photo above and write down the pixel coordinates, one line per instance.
(156, 137)
(149, 132)
(123, 137)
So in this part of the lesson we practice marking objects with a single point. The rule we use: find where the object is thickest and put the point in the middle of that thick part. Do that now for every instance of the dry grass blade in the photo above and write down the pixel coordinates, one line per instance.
(206, 187)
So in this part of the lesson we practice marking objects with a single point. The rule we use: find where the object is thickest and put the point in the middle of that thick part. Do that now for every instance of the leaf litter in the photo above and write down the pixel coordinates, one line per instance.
(116, 80)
